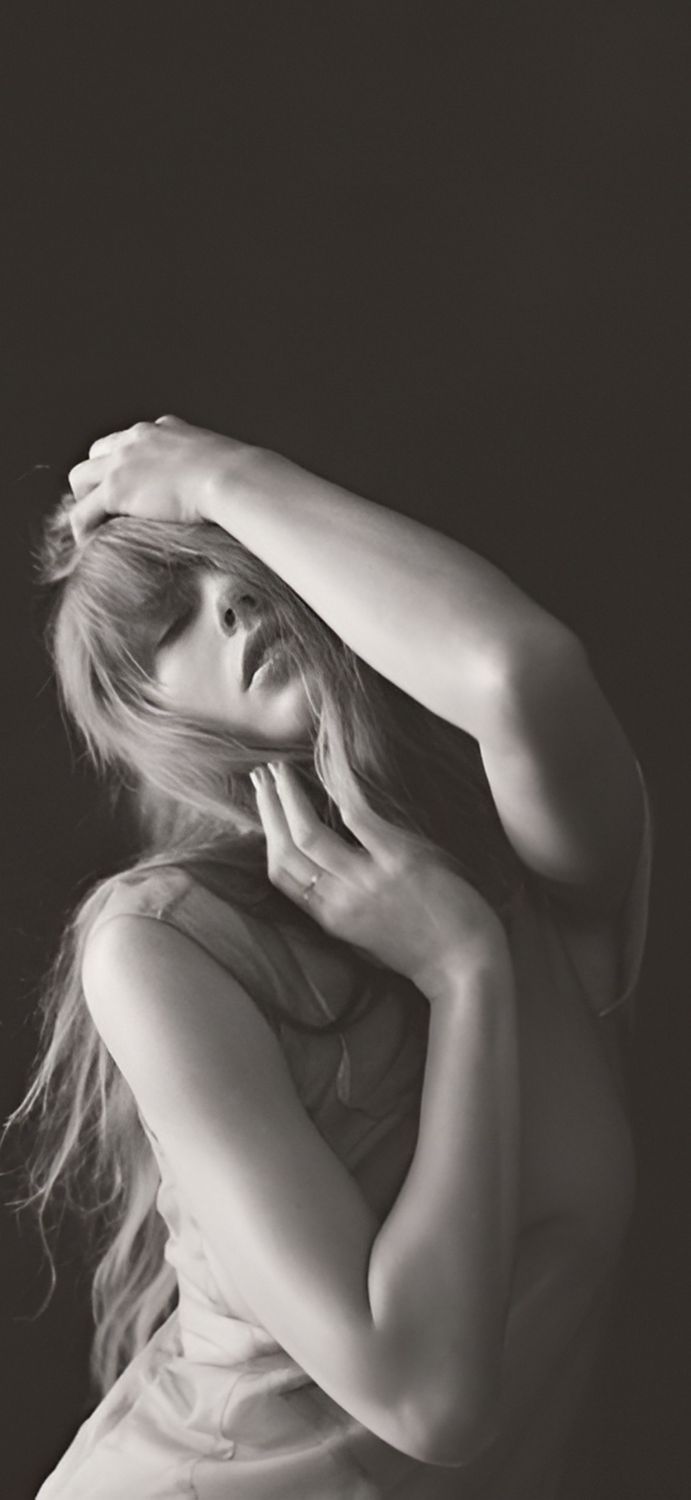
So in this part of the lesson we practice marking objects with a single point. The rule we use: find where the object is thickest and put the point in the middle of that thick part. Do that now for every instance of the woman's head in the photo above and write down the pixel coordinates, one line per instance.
(184, 660)
(155, 635)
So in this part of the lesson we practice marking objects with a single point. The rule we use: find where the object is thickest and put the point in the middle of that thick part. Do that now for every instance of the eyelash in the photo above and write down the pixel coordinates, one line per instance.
(174, 629)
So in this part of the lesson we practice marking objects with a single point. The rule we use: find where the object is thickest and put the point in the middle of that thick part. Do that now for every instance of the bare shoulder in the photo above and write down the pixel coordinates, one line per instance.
(152, 991)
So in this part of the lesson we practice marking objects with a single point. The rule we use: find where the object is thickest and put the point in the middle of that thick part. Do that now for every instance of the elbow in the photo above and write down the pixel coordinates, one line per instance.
(522, 668)
(543, 651)
(454, 1435)
(460, 1442)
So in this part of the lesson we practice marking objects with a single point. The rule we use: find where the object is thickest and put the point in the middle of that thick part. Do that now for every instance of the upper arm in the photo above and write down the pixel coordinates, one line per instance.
(562, 774)
(275, 1204)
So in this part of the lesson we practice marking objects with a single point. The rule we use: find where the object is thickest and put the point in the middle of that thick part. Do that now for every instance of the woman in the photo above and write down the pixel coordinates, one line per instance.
(339, 1054)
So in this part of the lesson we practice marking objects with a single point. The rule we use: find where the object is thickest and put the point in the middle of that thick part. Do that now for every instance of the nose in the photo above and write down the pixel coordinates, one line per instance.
(239, 609)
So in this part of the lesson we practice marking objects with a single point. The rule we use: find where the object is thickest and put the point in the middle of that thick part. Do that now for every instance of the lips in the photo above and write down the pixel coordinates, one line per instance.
(257, 647)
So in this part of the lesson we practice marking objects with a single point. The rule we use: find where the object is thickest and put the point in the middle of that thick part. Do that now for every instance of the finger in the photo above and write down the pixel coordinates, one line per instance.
(87, 514)
(283, 857)
(85, 476)
(123, 437)
(289, 870)
(309, 834)
(105, 445)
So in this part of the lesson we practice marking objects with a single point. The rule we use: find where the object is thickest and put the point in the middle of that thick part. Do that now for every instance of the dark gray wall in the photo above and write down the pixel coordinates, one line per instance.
(432, 251)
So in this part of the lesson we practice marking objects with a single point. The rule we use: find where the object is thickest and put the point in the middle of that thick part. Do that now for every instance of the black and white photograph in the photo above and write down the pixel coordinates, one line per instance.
(343, 1120)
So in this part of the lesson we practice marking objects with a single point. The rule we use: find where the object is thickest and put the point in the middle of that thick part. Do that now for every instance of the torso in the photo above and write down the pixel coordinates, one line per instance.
(574, 1156)
(575, 1139)
(576, 1144)
(576, 1165)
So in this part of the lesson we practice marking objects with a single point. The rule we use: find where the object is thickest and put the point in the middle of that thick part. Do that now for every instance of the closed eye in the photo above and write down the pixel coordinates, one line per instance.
(175, 628)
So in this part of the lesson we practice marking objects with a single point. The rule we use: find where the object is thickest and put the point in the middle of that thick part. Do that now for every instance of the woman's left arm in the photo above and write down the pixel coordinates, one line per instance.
(434, 618)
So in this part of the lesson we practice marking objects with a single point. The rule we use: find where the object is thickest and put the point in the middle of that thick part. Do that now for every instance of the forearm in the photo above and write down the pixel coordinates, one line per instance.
(426, 612)
(440, 1268)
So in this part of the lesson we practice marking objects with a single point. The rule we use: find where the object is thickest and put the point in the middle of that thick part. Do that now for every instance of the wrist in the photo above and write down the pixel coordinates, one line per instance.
(467, 968)
(230, 478)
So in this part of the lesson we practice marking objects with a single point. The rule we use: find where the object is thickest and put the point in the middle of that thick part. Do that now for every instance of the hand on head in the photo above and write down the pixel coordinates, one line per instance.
(160, 471)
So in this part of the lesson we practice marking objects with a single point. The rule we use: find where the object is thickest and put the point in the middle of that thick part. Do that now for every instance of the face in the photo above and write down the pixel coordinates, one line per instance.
(200, 665)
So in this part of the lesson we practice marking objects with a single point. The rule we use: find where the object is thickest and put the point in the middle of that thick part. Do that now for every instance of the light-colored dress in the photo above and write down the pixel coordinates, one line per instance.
(213, 1408)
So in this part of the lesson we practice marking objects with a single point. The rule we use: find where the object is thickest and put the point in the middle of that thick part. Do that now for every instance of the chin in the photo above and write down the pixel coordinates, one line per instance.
(289, 718)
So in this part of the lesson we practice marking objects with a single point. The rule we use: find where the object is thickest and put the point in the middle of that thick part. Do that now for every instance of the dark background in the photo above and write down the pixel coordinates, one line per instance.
(432, 251)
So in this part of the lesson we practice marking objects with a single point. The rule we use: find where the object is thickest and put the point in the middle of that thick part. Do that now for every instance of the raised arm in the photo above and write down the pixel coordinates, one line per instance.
(455, 633)
(441, 622)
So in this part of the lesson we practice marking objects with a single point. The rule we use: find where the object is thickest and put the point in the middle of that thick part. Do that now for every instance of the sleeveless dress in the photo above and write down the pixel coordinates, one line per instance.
(213, 1408)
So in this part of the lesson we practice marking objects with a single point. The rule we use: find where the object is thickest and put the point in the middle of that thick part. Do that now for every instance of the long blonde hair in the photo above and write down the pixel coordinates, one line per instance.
(189, 786)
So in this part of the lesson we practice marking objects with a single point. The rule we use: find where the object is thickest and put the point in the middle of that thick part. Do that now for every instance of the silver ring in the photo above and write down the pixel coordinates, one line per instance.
(309, 888)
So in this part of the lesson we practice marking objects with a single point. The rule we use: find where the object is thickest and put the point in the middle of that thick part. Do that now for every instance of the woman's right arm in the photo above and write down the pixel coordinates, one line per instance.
(401, 1323)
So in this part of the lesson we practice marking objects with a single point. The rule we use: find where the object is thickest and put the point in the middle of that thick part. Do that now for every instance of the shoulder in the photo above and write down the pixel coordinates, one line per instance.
(150, 891)
(127, 954)
(189, 1040)
(111, 919)
(171, 896)
(159, 999)
(143, 909)
(161, 950)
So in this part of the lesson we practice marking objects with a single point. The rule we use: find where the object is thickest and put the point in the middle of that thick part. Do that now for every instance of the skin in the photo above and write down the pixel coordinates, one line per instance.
(562, 773)
(400, 1321)
(199, 668)
(444, 1322)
